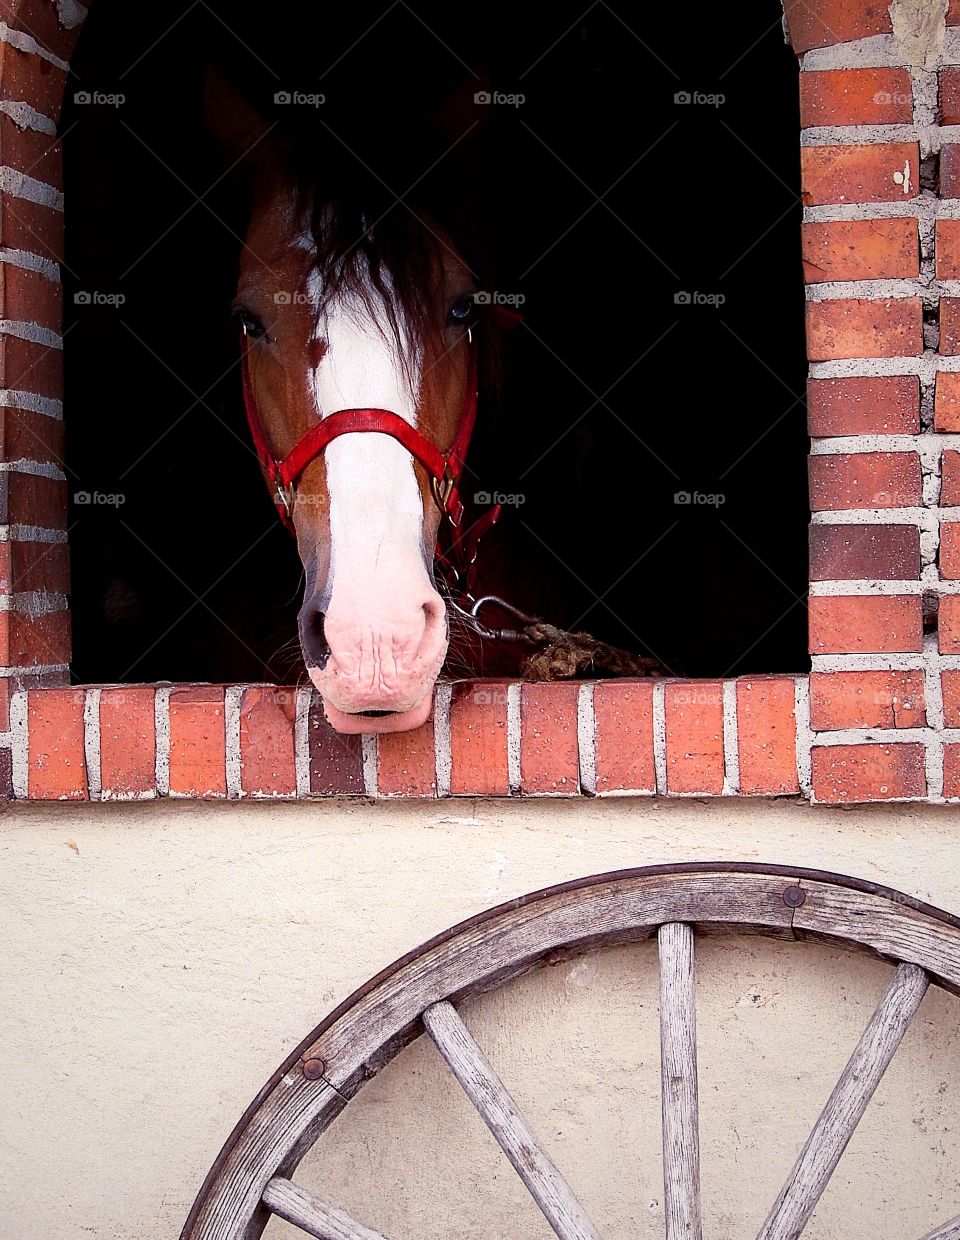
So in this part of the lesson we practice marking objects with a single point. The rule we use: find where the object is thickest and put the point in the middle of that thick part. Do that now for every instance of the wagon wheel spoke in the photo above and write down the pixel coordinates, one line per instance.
(678, 1082)
(310, 1214)
(503, 1117)
(946, 1231)
(844, 1108)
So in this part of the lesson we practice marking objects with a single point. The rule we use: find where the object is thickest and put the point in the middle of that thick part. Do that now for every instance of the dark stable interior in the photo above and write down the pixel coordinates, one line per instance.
(655, 245)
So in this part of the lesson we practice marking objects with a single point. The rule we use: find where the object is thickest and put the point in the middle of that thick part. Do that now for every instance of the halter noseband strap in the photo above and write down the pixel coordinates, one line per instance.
(443, 469)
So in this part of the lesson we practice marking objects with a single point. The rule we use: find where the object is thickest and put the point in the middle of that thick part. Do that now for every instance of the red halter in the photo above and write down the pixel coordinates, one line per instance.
(444, 469)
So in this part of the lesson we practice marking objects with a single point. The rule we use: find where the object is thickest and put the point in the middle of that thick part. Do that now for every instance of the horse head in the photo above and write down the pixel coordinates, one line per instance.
(343, 311)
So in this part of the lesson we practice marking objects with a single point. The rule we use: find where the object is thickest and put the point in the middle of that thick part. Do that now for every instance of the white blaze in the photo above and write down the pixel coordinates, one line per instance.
(384, 620)
(376, 509)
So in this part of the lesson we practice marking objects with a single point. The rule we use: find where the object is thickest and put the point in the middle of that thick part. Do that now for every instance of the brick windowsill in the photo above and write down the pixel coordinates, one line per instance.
(832, 737)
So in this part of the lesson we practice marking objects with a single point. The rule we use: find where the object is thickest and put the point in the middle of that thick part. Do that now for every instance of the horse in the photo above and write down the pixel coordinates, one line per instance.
(363, 345)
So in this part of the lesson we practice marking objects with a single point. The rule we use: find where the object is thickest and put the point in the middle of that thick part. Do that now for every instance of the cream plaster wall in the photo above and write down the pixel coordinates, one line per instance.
(158, 961)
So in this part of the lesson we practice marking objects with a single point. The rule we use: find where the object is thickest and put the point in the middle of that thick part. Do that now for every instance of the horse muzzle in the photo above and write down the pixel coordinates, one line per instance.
(375, 674)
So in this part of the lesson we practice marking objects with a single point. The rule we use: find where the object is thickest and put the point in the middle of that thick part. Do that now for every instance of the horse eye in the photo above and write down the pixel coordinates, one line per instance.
(250, 325)
(461, 312)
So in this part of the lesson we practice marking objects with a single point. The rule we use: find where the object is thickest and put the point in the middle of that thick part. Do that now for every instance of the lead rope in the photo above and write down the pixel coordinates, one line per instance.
(564, 655)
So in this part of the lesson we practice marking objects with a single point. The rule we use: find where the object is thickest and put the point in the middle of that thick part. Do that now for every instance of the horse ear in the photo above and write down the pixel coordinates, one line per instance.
(238, 128)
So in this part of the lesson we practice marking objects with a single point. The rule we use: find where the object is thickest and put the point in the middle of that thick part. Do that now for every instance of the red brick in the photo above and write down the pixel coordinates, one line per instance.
(950, 551)
(28, 436)
(407, 762)
(949, 96)
(478, 740)
(889, 405)
(29, 78)
(953, 13)
(32, 566)
(851, 327)
(865, 624)
(950, 170)
(336, 760)
(946, 404)
(128, 742)
(623, 711)
(949, 326)
(820, 23)
(860, 250)
(29, 499)
(268, 717)
(855, 97)
(871, 699)
(38, 155)
(948, 249)
(34, 641)
(843, 774)
(694, 719)
(841, 481)
(950, 479)
(30, 226)
(29, 367)
(6, 775)
(864, 552)
(948, 624)
(950, 685)
(29, 297)
(951, 770)
(57, 769)
(834, 174)
(22, 680)
(767, 736)
(198, 763)
(549, 751)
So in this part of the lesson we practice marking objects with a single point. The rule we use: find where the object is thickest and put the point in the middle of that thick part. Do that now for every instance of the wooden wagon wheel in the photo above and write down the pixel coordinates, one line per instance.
(250, 1179)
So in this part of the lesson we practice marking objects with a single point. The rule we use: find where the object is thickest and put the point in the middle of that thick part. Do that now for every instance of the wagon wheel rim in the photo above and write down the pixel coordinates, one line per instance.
(250, 1179)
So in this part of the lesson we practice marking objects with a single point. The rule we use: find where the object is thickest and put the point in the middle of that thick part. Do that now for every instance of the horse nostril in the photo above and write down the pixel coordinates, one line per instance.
(312, 636)
(434, 611)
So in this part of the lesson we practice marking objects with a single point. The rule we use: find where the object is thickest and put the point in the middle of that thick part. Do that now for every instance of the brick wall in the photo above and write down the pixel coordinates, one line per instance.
(36, 40)
(878, 718)
(881, 253)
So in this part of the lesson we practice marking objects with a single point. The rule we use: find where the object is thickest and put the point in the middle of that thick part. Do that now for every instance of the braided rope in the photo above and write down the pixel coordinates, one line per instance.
(568, 656)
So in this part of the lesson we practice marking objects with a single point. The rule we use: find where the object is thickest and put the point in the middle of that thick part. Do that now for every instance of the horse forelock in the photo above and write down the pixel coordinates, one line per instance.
(372, 264)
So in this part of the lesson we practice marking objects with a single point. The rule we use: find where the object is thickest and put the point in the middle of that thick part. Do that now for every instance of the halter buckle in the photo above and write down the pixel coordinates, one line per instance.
(442, 489)
(284, 497)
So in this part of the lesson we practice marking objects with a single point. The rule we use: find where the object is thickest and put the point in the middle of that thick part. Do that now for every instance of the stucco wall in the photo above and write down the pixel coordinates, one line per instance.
(160, 960)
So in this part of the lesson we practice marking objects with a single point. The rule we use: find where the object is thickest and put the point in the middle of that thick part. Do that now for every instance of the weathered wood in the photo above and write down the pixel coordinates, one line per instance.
(678, 1083)
(845, 1107)
(310, 1214)
(893, 927)
(505, 1120)
(373, 1025)
(617, 912)
(294, 1106)
(947, 1231)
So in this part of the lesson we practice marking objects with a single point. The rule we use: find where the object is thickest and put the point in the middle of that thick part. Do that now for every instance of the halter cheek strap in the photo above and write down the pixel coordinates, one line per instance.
(443, 469)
